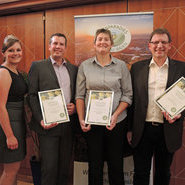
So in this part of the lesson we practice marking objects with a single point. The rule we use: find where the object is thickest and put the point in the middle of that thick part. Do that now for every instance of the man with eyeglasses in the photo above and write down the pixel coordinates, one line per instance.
(152, 132)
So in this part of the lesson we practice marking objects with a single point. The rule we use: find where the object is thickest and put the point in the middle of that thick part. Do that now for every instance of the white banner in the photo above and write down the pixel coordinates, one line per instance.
(81, 172)
(131, 32)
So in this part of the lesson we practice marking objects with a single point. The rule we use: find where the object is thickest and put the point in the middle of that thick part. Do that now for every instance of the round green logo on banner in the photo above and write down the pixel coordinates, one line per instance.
(121, 36)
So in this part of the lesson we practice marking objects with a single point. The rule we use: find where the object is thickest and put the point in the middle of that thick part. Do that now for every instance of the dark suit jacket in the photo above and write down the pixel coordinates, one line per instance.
(137, 113)
(43, 77)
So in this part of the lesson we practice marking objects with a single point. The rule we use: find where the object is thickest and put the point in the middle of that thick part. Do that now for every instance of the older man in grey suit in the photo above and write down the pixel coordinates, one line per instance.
(55, 139)
(153, 132)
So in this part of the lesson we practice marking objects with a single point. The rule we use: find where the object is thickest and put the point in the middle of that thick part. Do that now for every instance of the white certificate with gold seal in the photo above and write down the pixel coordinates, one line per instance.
(53, 106)
(172, 100)
(99, 108)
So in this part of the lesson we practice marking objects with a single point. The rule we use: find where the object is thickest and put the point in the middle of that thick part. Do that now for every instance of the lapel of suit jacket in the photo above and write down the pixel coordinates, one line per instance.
(70, 76)
(171, 73)
(144, 80)
(50, 66)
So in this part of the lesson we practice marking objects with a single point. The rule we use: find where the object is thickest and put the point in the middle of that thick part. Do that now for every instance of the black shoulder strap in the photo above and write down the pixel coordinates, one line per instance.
(10, 72)
(4, 68)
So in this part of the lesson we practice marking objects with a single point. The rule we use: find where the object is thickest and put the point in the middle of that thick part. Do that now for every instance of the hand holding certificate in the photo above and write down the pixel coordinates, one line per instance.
(99, 107)
(53, 106)
(172, 100)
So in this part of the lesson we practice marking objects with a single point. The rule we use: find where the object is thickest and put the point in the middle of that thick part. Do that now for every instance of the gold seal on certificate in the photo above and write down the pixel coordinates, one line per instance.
(53, 106)
(99, 108)
(172, 100)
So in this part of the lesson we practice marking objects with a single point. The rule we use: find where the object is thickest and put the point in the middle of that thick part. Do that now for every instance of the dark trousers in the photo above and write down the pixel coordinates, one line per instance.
(102, 144)
(56, 156)
(152, 144)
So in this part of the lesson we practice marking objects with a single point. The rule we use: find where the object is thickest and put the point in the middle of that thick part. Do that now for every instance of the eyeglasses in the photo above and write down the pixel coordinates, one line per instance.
(157, 42)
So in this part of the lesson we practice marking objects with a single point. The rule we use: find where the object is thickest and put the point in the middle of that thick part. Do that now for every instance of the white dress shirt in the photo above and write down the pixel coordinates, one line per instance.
(156, 86)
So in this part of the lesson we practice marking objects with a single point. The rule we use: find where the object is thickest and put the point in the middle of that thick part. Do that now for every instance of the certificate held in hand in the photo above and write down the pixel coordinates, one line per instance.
(53, 106)
(172, 100)
(99, 108)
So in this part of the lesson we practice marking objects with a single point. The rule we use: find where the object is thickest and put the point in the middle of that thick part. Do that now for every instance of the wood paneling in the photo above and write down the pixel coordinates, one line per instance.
(62, 20)
(26, 6)
(169, 14)
(148, 5)
(29, 29)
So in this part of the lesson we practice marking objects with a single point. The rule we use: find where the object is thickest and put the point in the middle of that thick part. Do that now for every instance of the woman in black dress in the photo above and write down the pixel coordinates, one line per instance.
(12, 125)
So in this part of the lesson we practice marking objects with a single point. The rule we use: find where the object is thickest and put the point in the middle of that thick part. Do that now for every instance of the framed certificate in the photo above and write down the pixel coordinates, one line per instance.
(172, 100)
(99, 108)
(53, 106)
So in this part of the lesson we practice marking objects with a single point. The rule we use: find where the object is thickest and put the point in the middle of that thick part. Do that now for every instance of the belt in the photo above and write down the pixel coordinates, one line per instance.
(155, 124)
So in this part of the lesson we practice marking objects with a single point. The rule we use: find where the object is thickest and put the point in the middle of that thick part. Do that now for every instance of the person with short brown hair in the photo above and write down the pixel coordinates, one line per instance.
(105, 73)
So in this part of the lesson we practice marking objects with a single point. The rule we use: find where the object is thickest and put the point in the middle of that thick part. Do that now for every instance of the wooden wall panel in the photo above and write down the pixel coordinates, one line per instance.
(25, 6)
(145, 5)
(169, 14)
(29, 29)
(62, 20)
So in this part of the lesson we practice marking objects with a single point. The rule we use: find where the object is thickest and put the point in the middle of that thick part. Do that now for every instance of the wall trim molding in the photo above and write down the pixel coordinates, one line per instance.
(23, 6)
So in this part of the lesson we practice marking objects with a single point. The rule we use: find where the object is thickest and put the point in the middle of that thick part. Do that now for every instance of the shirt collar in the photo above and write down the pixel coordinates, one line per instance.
(94, 60)
(166, 63)
(54, 62)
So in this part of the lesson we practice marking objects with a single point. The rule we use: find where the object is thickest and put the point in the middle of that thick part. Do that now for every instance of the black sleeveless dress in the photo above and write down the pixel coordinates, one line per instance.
(15, 108)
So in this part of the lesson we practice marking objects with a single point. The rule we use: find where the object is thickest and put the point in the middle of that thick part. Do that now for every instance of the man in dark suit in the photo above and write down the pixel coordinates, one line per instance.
(56, 139)
(152, 132)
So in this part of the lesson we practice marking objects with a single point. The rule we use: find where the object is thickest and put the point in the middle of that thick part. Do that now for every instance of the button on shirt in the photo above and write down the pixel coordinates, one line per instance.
(63, 79)
(156, 86)
(112, 77)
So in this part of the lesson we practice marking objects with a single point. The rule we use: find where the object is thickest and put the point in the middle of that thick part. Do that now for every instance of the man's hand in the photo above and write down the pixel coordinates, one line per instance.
(48, 126)
(167, 117)
(71, 108)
